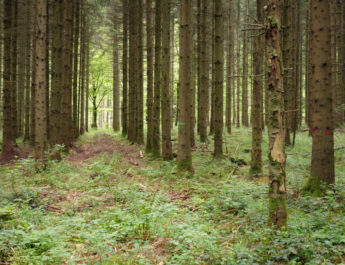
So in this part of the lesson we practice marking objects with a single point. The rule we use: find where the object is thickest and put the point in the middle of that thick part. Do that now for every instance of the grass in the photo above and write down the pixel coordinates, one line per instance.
(109, 211)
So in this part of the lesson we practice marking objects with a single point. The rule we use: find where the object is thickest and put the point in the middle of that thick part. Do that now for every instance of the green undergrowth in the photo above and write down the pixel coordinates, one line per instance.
(109, 211)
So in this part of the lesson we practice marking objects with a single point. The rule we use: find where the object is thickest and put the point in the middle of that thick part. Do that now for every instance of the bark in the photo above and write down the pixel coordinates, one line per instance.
(66, 102)
(140, 77)
(125, 69)
(245, 72)
(229, 68)
(76, 36)
(87, 82)
(342, 60)
(166, 97)
(56, 74)
(133, 71)
(14, 63)
(149, 99)
(184, 155)
(33, 78)
(219, 78)
(256, 155)
(7, 137)
(238, 64)
(277, 188)
(40, 104)
(83, 71)
(321, 112)
(116, 77)
(157, 81)
(204, 72)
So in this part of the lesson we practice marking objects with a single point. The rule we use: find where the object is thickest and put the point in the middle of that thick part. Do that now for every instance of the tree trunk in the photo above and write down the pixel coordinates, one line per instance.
(238, 63)
(219, 78)
(184, 155)
(166, 98)
(277, 188)
(76, 34)
(149, 99)
(256, 117)
(40, 104)
(116, 77)
(66, 99)
(56, 75)
(157, 81)
(322, 164)
(83, 69)
(204, 72)
(33, 78)
(124, 69)
(245, 72)
(229, 68)
(7, 137)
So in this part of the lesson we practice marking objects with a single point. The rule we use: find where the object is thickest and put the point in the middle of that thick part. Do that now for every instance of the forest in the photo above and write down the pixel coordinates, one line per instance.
(172, 132)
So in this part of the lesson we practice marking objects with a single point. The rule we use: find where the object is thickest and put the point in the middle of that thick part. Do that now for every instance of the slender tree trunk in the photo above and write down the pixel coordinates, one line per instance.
(40, 104)
(66, 99)
(56, 75)
(140, 76)
(204, 72)
(149, 99)
(245, 72)
(33, 78)
(125, 69)
(83, 70)
(342, 59)
(238, 63)
(321, 112)
(229, 68)
(256, 117)
(307, 70)
(277, 188)
(7, 136)
(166, 98)
(157, 81)
(76, 35)
(116, 77)
(184, 155)
(87, 82)
(219, 78)
(14, 63)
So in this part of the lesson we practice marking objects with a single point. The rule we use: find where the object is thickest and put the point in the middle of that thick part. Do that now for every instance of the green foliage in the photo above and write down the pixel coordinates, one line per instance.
(107, 211)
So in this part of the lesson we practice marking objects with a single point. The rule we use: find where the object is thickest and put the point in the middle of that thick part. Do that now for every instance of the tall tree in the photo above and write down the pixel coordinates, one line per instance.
(219, 78)
(256, 161)
(238, 63)
(184, 155)
(277, 188)
(125, 69)
(204, 72)
(245, 71)
(157, 81)
(116, 75)
(166, 98)
(66, 99)
(7, 137)
(76, 37)
(321, 113)
(56, 73)
(40, 61)
(149, 98)
(229, 68)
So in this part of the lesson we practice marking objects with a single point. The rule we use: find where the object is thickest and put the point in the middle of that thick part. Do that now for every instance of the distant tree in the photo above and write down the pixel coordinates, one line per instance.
(125, 68)
(116, 74)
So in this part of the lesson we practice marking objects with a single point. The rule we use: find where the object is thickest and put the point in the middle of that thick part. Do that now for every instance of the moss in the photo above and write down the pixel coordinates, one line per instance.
(184, 165)
(255, 171)
(277, 215)
(273, 21)
(313, 187)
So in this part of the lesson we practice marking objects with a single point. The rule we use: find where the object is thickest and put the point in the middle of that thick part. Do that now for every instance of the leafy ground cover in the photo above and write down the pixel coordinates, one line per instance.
(109, 203)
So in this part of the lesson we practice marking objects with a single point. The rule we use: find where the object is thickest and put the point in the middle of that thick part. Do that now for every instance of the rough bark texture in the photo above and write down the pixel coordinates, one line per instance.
(149, 99)
(204, 73)
(238, 64)
(157, 81)
(322, 164)
(184, 155)
(116, 76)
(245, 72)
(229, 68)
(56, 74)
(125, 69)
(219, 78)
(166, 98)
(66, 99)
(7, 136)
(14, 63)
(277, 188)
(76, 35)
(256, 161)
(40, 104)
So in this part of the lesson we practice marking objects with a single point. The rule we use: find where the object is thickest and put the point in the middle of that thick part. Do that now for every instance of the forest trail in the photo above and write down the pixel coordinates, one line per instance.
(102, 143)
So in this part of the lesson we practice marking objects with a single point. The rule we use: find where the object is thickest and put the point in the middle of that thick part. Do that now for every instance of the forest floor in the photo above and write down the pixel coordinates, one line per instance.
(107, 202)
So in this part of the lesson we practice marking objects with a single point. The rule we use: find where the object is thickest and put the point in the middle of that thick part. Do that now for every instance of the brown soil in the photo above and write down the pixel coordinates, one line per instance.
(103, 143)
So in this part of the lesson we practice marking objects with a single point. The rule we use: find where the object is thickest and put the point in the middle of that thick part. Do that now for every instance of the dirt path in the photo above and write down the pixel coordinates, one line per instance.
(103, 143)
